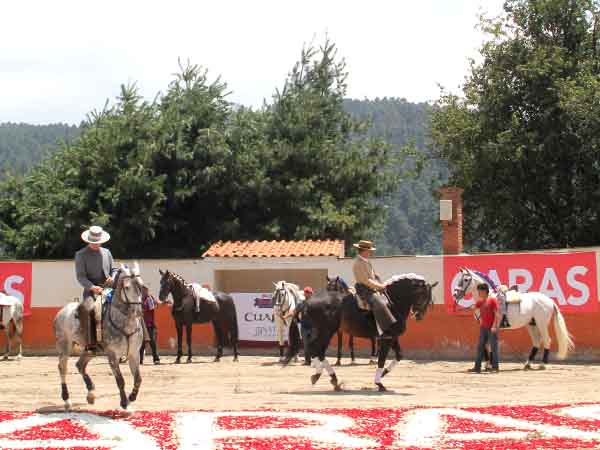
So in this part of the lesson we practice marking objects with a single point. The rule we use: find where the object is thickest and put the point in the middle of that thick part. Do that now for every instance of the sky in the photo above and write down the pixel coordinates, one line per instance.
(61, 59)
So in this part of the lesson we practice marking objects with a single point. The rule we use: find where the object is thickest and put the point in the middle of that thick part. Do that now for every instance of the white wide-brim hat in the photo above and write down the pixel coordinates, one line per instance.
(95, 235)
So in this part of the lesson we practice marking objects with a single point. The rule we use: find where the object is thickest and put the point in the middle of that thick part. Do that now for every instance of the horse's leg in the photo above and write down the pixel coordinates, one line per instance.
(81, 365)
(373, 351)
(188, 339)
(134, 367)
(6, 331)
(113, 361)
(280, 326)
(64, 350)
(546, 341)
(179, 327)
(535, 340)
(340, 344)
(398, 352)
(219, 338)
(351, 345)
(19, 335)
(384, 348)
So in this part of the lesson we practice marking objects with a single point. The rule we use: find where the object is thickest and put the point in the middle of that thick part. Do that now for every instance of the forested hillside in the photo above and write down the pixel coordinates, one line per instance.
(411, 225)
(24, 145)
(411, 211)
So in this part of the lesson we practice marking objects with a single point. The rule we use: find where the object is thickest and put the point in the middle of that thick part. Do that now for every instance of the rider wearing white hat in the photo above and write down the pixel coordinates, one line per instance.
(94, 268)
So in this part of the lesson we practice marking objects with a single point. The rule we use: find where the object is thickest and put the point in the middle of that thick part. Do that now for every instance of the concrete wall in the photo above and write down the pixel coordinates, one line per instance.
(439, 335)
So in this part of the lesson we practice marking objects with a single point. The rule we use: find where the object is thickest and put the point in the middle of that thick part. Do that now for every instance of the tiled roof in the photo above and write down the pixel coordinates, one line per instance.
(269, 249)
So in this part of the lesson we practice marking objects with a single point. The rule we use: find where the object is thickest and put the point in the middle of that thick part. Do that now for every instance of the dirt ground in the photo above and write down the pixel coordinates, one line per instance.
(260, 382)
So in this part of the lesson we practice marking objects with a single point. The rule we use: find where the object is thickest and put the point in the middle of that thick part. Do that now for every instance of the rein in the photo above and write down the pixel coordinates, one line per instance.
(129, 303)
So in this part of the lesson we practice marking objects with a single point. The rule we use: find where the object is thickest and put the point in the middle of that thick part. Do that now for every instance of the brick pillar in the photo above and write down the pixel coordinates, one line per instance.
(452, 230)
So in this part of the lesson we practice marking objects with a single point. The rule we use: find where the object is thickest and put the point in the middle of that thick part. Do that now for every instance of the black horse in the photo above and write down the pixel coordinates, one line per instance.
(324, 311)
(222, 315)
(354, 321)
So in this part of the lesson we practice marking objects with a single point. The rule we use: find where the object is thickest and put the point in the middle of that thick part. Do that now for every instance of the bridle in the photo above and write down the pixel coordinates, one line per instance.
(282, 291)
(121, 292)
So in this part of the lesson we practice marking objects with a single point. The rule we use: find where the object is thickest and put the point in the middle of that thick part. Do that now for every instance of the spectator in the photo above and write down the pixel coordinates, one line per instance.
(149, 304)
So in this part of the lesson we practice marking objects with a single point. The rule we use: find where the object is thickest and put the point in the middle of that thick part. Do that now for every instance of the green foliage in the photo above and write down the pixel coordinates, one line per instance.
(523, 141)
(170, 177)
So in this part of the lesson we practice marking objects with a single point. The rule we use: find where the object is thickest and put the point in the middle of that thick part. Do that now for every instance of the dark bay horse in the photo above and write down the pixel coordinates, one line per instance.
(324, 310)
(222, 314)
(354, 322)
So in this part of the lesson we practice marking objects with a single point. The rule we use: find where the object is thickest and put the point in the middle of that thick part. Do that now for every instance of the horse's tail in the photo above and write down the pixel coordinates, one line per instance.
(564, 338)
(294, 340)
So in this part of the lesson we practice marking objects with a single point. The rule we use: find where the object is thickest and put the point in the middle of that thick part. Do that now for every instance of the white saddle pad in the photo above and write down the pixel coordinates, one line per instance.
(202, 293)
(513, 297)
(405, 276)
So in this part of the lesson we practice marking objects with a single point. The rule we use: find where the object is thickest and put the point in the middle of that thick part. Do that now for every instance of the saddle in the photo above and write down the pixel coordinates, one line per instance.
(91, 321)
(202, 294)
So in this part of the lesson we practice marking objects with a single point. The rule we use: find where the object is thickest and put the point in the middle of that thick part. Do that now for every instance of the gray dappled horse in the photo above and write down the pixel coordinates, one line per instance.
(11, 320)
(324, 311)
(222, 314)
(122, 335)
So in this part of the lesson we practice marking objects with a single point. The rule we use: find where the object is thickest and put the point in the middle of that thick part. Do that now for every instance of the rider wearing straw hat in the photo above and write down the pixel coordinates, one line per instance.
(94, 268)
(369, 286)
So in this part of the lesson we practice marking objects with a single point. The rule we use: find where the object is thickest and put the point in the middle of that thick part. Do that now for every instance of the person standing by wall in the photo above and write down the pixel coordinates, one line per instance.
(488, 327)
(149, 304)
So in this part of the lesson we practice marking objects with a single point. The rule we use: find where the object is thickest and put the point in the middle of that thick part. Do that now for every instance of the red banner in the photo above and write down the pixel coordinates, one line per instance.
(15, 280)
(570, 279)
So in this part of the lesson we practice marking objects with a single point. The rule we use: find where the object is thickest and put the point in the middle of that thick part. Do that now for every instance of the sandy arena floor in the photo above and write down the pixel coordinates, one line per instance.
(260, 382)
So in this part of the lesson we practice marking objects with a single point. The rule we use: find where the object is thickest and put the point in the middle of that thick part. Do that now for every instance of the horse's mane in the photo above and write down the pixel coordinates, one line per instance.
(486, 279)
(284, 283)
(178, 278)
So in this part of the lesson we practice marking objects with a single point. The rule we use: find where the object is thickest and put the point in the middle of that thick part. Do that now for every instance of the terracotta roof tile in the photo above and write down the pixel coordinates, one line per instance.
(271, 249)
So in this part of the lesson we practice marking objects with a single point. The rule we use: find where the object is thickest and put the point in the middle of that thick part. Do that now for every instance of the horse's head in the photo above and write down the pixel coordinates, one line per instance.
(423, 298)
(337, 284)
(285, 296)
(128, 285)
(468, 281)
(166, 284)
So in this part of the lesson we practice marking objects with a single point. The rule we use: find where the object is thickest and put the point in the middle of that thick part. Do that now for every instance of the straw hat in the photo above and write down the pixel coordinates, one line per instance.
(364, 245)
(95, 235)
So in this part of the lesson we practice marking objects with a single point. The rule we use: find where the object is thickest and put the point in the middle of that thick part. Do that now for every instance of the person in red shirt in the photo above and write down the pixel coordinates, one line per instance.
(149, 304)
(488, 327)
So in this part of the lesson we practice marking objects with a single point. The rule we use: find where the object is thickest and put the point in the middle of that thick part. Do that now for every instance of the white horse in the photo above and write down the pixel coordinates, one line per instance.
(286, 297)
(122, 335)
(11, 320)
(534, 310)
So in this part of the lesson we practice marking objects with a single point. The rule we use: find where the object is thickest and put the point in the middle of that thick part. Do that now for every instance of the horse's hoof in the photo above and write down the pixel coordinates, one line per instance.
(353, 362)
(68, 405)
(372, 362)
(19, 357)
(5, 357)
(338, 363)
(188, 361)
(132, 397)
(385, 372)
(314, 378)
(217, 359)
(527, 366)
(91, 398)
(337, 387)
(235, 359)
(381, 387)
(124, 404)
(178, 360)
(542, 367)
